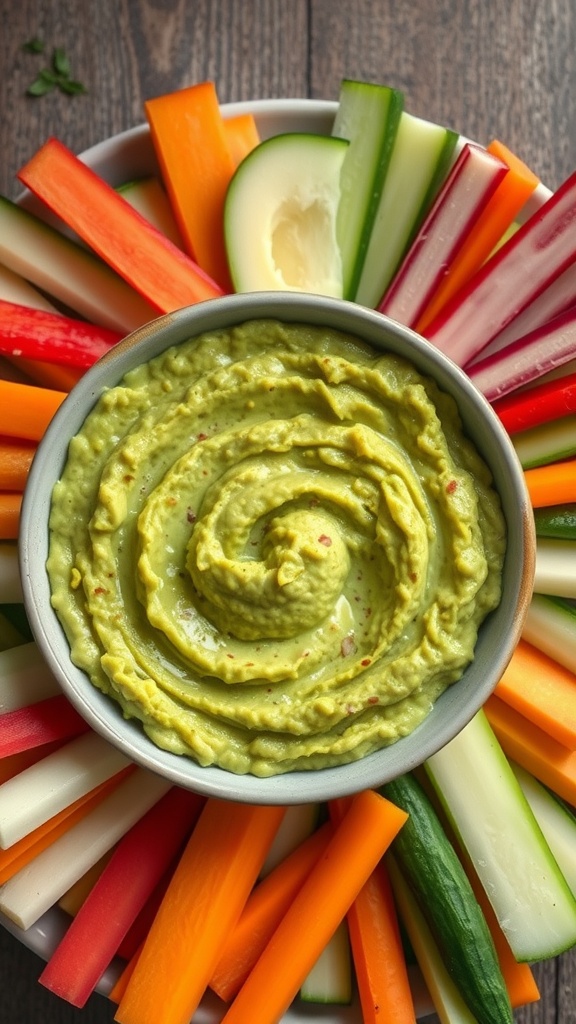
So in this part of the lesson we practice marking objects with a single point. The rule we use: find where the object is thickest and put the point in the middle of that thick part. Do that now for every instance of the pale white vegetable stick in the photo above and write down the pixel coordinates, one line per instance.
(24, 678)
(555, 567)
(298, 822)
(10, 585)
(14, 288)
(551, 631)
(39, 885)
(47, 787)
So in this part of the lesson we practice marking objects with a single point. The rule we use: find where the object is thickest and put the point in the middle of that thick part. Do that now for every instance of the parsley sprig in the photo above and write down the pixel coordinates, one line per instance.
(56, 75)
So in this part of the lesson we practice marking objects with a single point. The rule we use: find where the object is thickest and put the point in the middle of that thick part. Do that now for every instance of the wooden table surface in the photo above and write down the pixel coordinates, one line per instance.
(484, 67)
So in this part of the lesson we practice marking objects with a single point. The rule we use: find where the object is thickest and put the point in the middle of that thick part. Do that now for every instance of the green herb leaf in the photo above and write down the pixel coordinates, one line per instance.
(34, 45)
(70, 86)
(60, 62)
(40, 86)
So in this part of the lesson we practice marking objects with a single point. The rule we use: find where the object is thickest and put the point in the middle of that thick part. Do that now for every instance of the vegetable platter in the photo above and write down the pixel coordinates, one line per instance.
(497, 800)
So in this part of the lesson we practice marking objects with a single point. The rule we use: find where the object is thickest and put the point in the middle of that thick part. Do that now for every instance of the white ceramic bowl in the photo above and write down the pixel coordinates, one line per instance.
(498, 634)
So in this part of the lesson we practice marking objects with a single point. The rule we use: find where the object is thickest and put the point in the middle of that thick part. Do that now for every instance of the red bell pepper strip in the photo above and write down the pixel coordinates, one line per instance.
(540, 404)
(32, 726)
(516, 275)
(135, 868)
(52, 337)
(142, 255)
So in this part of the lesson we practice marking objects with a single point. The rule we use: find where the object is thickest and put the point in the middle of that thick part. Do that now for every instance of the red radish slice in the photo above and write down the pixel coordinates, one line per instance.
(470, 184)
(527, 359)
(515, 276)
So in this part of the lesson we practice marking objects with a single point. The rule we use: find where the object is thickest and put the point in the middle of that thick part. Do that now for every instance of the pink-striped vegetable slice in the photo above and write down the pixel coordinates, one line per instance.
(527, 359)
(472, 181)
(32, 726)
(515, 276)
(135, 868)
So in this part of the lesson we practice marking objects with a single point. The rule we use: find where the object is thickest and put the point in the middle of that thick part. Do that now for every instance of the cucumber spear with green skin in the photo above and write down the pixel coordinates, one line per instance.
(435, 875)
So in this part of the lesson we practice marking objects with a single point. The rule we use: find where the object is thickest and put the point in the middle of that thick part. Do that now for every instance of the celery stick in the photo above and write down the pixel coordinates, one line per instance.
(298, 823)
(47, 787)
(494, 822)
(555, 572)
(549, 442)
(10, 585)
(24, 677)
(557, 822)
(418, 165)
(39, 885)
(550, 625)
(14, 288)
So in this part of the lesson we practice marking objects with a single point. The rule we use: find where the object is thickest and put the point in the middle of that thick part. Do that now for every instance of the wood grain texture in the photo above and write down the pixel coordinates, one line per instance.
(485, 67)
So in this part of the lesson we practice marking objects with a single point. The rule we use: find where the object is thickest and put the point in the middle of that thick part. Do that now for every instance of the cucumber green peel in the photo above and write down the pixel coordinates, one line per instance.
(435, 875)
(367, 117)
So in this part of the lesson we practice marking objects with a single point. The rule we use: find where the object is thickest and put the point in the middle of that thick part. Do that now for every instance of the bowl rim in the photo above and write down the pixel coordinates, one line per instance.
(502, 630)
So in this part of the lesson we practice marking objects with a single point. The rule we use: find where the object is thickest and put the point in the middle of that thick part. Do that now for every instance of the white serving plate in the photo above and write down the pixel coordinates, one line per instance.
(122, 158)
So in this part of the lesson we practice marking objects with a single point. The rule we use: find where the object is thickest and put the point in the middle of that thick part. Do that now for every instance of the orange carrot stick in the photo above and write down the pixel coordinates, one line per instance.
(49, 375)
(203, 902)
(532, 748)
(554, 484)
(263, 912)
(511, 195)
(26, 410)
(15, 459)
(241, 136)
(10, 504)
(542, 690)
(359, 842)
(187, 131)
(27, 848)
(377, 951)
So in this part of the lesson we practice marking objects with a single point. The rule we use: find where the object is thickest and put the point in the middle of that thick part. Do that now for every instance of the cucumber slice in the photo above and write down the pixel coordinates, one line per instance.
(68, 271)
(420, 160)
(448, 1003)
(280, 216)
(330, 980)
(148, 197)
(368, 116)
(557, 822)
(557, 521)
(555, 570)
(493, 820)
(549, 442)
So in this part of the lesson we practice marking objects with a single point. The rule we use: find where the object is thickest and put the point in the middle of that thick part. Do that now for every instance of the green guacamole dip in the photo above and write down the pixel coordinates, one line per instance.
(274, 546)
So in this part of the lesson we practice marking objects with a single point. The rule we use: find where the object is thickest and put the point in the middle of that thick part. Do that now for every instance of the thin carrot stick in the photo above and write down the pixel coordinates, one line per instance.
(241, 135)
(118, 990)
(27, 848)
(542, 690)
(26, 410)
(554, 484)
(377, 951)
(49, 375)
(203, 902)
(187, 131)
(51, 719)
(316, 911)
(532, 748)
(511, 195)
(90, 942)
(263, 912)
(15, 459)
(10, 505)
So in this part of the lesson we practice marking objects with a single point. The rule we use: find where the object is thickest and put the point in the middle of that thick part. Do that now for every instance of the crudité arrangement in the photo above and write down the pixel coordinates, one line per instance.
(466, 866)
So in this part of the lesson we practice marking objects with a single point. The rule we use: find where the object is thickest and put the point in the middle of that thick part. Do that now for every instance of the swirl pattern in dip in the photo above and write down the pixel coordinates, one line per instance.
(274, 546)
